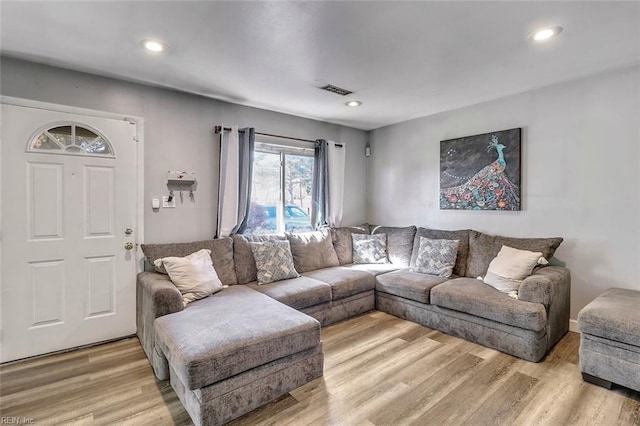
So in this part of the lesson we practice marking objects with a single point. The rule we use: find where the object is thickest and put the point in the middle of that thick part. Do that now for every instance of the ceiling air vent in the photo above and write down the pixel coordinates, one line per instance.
(337, 90)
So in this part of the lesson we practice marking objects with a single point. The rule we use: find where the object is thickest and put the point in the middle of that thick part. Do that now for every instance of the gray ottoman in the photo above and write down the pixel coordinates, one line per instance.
(610, 339)
(234, 351)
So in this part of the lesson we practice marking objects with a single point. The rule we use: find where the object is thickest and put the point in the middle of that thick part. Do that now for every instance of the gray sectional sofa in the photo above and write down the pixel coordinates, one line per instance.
(248, 344)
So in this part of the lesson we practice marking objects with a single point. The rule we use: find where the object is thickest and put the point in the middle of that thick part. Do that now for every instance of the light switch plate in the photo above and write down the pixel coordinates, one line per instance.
(155, 203)
(168, 204)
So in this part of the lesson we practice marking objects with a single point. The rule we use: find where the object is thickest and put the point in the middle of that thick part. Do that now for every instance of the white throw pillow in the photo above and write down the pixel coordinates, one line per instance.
(511, 266)
(193, 275)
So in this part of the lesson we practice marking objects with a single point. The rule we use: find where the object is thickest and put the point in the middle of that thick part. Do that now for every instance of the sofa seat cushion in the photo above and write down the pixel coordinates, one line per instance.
(230, 332)
(298, 293)
(374, 268)
(614, 315)
(344, 282)
(477, 298)
(410, 285)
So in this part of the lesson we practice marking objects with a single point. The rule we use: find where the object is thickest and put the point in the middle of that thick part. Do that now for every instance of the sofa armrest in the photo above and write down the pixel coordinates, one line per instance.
(156, 296)
(550, 286)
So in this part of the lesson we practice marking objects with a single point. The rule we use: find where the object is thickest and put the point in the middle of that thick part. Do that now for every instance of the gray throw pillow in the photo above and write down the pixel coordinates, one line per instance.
(369, 248)
(436, 257)
(461, 235)
(274, 261)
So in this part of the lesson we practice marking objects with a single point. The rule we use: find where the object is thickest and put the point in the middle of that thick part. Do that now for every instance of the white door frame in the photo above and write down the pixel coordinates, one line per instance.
(8, 100)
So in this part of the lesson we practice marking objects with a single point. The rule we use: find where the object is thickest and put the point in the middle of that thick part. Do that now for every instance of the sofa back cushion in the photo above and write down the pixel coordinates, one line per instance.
(243, 256)
(399, 243)
(483, 248)
(461, 235)
(342, 244)
(221, 255)
(312, 250)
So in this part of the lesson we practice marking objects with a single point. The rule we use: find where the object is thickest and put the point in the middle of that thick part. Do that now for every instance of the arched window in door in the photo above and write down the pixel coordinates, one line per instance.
(70, 138)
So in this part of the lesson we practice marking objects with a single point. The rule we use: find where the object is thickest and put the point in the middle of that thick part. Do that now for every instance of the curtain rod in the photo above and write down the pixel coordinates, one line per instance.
(218, 130)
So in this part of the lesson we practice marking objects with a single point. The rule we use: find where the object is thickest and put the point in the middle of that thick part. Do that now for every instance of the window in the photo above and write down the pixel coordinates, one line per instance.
(70, 139)
(281, 189)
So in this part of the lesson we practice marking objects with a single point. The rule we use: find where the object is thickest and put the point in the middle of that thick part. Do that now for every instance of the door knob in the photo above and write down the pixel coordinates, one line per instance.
(128, 245)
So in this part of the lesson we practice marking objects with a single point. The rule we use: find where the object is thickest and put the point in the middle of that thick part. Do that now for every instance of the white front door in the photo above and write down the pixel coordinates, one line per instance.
(69, 208)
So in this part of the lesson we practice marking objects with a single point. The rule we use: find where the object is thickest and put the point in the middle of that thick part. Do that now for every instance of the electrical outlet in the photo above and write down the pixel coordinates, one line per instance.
(168, 204)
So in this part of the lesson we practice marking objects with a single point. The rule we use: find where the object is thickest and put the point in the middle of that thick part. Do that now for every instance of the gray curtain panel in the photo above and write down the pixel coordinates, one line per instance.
(319, 193)
(247, 137)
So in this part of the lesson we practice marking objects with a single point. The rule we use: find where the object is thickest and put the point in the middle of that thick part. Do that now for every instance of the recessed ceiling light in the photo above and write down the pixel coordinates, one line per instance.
(353, 103)
(154, 46)
(544, 34)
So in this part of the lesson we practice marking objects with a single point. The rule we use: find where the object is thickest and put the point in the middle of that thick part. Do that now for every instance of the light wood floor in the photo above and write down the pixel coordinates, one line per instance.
(379, 370)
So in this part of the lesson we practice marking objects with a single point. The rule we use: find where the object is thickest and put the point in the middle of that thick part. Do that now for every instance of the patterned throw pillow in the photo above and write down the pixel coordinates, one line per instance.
(369, 248)
(274, 261)
(436, 257)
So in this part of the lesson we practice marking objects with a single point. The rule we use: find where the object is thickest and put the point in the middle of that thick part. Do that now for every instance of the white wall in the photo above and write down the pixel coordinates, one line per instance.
(580, 179)
(178, 131)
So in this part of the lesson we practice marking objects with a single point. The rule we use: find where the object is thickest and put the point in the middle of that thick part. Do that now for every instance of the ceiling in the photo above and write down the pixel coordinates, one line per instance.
(401, 59)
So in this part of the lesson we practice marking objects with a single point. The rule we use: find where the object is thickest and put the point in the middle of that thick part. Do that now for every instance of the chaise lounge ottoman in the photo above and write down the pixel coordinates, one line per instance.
(610, 339)
(235, 351)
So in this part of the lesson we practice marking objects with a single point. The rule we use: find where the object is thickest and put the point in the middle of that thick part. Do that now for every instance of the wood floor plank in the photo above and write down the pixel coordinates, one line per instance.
(379, 370)
(480, 381)
(505, 403)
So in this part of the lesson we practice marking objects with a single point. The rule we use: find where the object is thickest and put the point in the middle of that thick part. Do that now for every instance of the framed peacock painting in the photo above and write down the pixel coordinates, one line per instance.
(481, 172)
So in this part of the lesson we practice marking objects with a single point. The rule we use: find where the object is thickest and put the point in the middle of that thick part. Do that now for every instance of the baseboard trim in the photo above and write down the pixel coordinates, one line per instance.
(573, 326)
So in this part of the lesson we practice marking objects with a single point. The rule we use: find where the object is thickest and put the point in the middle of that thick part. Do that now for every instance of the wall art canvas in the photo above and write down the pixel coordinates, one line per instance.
(481, 172)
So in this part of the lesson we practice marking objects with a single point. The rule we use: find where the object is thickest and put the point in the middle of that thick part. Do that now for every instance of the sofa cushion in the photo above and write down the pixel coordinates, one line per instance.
(399, 243)
(230, 332)
(221, 255)
(484, 248)
(435, 234)
(312, 250)
(245, 263)
(410, 285)
(436, 257)
(374, 268)
(614, 315)
(341, 238)
(344, 282)
(298, 293)
(273, 261)
(474, 297)
(368, 249)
